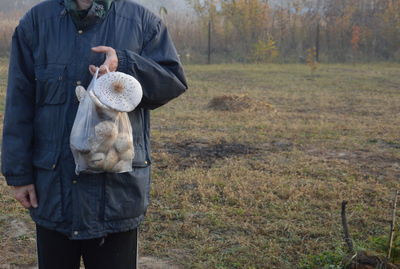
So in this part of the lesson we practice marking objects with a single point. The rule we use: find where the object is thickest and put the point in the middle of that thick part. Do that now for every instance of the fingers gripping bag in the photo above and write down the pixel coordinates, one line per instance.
(101, 137)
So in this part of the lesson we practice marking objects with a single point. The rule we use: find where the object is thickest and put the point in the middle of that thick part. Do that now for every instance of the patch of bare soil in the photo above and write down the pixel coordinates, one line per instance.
(205, 153)
(18, 228)
(201, 152)
(237, 103)
(17, 241)
(154, 263)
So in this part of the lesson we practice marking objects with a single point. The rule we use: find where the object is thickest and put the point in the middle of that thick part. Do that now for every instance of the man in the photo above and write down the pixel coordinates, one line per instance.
(56, 47)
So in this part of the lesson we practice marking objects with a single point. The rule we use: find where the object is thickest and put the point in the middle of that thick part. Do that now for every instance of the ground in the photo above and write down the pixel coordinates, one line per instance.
(250, 167)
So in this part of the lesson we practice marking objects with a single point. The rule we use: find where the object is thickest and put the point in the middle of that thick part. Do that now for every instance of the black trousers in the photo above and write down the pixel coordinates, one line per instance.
(115, 251)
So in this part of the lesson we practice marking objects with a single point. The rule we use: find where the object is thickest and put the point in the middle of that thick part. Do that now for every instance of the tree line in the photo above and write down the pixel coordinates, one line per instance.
(332, 30)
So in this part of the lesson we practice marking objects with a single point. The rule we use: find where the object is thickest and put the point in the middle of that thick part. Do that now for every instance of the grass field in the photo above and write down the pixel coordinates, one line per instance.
(259, 184)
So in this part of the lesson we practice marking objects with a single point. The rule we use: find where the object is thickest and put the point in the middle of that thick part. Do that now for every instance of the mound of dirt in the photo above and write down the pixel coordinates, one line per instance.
(236, 103)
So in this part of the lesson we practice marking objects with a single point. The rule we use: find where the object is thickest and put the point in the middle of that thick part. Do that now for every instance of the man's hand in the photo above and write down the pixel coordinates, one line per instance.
(26, 195)
(111, 62)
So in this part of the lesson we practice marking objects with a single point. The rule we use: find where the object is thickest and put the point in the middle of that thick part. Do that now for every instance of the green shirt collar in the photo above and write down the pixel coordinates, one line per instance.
(86, 18)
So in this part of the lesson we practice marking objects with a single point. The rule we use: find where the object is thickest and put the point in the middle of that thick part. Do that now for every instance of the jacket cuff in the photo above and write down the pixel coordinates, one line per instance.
(125, 63)
(19, 180)
(122, 61)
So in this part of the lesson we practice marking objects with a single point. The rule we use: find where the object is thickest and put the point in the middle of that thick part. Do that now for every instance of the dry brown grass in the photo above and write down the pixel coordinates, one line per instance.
(273, 196)
(254, 189)
(8, 22)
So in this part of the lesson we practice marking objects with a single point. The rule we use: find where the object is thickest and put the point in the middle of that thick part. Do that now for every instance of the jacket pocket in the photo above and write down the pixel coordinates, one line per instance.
(44, 159)
(48, 186)
(127, 194)
(50, 84)
(50, 101)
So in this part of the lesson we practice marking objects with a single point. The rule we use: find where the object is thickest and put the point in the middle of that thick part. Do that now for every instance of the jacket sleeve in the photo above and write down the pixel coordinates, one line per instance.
(19, 113)
(157, 68)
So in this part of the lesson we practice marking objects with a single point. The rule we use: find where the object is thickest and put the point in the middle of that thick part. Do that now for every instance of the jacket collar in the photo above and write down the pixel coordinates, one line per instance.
(99, 4)
(83, 20)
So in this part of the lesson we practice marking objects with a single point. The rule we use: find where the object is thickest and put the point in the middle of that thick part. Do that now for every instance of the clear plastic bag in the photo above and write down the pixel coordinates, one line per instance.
(101, 138)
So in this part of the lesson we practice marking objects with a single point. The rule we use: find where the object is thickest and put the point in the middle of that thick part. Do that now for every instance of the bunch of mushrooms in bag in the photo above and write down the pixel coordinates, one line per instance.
(111, 147)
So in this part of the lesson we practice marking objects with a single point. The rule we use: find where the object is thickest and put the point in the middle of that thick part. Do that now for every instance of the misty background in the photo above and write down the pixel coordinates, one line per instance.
(281, 31)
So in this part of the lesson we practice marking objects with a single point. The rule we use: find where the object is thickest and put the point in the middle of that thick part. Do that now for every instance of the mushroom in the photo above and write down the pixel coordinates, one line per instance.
(106, 130)
(122, 166)
(102, 110)
(124, 146)
(127, 155)
(118, 91)
(106, 133)
(96, 160)
(80, 93)
(123, 142)
(111, 160)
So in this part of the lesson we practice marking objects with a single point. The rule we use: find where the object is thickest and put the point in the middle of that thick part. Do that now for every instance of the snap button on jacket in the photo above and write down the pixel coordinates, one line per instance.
(49, 55)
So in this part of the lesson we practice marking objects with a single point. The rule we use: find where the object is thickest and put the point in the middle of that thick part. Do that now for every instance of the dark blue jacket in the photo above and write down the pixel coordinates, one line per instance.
(49, 57)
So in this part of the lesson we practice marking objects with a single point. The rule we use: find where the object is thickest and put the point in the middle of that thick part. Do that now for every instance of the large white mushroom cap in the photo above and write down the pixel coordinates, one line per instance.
(118, 91)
